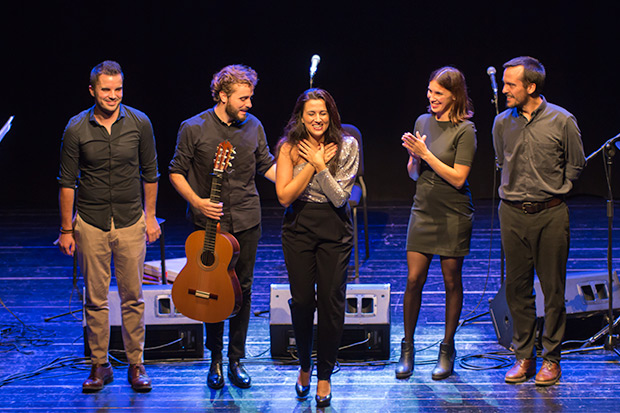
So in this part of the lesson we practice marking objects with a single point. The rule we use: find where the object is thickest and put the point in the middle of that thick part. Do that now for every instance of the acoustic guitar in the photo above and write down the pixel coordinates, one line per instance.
(207, 288)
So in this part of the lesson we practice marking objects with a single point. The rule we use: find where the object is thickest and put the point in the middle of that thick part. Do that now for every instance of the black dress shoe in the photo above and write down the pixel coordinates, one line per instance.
(100, 375)
(238, 375)
(215, 378)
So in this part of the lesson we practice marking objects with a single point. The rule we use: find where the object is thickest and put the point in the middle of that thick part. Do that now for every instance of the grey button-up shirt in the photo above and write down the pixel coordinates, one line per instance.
(539, 158)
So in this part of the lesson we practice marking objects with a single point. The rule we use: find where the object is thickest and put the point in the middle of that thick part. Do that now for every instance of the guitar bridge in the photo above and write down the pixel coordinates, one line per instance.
(203, 294)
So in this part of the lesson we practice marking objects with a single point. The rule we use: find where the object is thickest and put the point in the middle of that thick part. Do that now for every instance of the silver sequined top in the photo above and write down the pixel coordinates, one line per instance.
(324, 187)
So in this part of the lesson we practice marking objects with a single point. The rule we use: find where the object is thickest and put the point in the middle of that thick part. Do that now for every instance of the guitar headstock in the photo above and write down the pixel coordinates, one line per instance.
(225, 153)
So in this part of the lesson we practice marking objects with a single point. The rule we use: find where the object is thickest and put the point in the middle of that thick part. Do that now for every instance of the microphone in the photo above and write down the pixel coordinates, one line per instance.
(314, 63)
(491, 72)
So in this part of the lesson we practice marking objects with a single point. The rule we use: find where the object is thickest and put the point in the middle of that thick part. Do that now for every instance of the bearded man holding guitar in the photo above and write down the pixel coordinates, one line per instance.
(238, 210)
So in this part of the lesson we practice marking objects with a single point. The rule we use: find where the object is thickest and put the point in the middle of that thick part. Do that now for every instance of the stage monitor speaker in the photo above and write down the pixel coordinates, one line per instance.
(169, 334)
(502, 320)
(586, 294)
(366, 332)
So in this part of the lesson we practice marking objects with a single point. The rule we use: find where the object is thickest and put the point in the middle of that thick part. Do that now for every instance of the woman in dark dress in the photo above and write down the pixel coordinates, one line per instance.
(317, 164)
(441, 153)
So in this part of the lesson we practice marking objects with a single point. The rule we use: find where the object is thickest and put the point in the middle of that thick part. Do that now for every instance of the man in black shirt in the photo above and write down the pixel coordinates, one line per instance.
(239, 210)
(539, 150)
(107, 151)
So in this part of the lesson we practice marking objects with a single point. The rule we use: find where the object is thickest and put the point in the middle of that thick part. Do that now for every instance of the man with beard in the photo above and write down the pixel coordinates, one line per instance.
(539, 150)
(239, 211)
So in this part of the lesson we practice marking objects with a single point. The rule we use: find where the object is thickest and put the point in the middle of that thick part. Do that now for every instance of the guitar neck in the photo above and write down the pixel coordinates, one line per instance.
(211, 226)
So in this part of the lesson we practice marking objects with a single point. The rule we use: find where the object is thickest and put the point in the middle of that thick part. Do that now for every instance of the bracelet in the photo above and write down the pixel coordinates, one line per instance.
(66, 231)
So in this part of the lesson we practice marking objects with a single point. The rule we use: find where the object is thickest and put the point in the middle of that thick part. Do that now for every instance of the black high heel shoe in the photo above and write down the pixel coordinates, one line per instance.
(324, 401)
(303, 391)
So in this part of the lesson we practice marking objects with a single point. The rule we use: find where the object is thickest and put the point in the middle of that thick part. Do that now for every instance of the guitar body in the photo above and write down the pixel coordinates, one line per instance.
(207, 288)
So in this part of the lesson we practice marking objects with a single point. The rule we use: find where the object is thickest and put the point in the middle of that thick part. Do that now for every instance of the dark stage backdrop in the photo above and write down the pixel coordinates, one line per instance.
(375, 61)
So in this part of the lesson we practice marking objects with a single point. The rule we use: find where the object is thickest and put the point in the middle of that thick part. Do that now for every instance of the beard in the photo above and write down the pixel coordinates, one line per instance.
(234, 114)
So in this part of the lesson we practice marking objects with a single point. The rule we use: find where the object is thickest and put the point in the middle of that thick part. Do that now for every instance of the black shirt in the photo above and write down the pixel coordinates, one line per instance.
(197, 143)
(107, 168)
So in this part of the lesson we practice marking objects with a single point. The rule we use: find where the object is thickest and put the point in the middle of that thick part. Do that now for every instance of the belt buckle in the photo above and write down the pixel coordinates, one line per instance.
(525, 206)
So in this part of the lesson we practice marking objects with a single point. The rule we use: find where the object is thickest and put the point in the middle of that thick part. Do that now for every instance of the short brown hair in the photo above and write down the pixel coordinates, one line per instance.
(225, 79)
(533, 71)
(108, 67)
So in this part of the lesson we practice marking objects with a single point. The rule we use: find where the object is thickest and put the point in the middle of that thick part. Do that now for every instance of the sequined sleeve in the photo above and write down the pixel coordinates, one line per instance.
(324, 187)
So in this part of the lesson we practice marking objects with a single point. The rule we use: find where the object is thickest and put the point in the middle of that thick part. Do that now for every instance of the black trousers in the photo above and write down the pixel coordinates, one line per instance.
(238, 325)
(317, 243)
(537, 242)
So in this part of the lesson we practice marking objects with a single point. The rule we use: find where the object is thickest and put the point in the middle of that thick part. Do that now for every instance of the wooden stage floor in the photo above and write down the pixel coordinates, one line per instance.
(43, 365)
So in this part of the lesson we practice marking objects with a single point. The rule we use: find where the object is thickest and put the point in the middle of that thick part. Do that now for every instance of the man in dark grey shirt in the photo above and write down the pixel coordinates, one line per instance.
(239, 208)
(107, 151)
(539, 150)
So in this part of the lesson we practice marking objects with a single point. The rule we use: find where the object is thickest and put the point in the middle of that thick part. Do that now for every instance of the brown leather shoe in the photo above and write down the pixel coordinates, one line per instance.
(521, 371)
(100, 375)
(136, 374)
(549, 373)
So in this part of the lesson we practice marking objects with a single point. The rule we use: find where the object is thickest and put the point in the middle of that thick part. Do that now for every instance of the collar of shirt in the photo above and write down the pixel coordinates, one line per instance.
(235, 123)
(516, 112)
(92, 119)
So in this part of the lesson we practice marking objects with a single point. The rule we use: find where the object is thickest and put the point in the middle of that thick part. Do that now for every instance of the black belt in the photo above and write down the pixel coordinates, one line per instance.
(533, 207)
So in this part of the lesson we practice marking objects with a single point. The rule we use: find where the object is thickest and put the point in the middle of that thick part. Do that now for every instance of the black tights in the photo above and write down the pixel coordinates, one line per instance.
(418, 265)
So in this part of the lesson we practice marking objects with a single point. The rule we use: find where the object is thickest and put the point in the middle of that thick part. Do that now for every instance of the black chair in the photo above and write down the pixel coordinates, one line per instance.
(358, 198)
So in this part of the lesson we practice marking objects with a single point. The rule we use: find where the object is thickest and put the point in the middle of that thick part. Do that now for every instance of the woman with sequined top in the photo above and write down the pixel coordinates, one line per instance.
(317, 164)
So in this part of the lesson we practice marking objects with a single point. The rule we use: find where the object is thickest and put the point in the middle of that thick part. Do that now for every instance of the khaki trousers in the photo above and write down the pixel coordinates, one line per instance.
(95, 251)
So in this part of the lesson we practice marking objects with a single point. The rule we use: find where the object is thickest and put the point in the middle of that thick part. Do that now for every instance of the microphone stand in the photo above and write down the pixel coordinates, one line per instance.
(611, 339)
(494, 101)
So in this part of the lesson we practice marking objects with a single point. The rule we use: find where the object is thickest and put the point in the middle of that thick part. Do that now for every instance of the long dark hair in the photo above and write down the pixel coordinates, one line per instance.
(453, 80)
(295, 131)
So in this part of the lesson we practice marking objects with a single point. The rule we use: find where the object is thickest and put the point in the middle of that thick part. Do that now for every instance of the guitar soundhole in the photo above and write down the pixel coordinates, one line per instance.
(207, 258)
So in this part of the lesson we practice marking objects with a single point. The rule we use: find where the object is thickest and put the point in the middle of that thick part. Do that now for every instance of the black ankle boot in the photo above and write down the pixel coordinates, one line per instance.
(404, 368)
(445, 362)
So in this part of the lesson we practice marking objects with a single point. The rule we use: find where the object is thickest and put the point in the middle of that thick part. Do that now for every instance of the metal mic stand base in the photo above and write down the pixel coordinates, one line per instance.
(611, 341)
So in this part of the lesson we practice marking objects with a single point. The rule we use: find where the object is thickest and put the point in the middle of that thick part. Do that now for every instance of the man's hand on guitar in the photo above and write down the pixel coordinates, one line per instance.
(210, 209)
